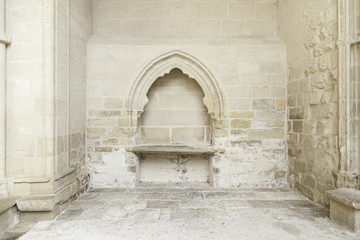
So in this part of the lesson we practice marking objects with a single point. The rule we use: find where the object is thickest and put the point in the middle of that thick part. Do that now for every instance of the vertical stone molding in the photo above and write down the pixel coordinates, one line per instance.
(3, 42)
(348, 44)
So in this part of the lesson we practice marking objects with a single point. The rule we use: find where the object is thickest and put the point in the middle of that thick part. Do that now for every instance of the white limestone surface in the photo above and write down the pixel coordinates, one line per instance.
(157, 213)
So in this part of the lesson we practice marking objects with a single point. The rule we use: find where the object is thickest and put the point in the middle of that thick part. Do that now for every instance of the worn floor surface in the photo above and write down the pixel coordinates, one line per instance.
(192, 213)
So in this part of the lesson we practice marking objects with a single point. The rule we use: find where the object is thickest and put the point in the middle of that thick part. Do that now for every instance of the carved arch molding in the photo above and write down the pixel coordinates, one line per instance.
(189, 65)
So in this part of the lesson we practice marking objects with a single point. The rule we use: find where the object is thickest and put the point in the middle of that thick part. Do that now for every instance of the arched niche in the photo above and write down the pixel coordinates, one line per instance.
(213, 99)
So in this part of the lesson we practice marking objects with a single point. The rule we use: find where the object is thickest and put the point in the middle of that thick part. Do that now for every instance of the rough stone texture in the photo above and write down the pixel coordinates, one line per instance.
(174, 168)
(198, 212)
(309, 29)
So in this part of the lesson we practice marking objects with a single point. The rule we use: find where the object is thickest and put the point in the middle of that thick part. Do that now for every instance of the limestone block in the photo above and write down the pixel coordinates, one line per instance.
(104, 113)
(278, 92)
(248, 68)
(273, 144)
(101, 122)
(240, 104)
(240, 123)
(220, 133)
(238, 91)
(205, 27)
(175, 27)
(113, 103)
(271, 67)
(118, 132)
(93, 102)
(174, 169)
(155, 135)
(280, 104)
(43, 203)
(187, 100)
(188, 135)
(168, 117)
(110, 142)
(212, 10)
(182, 10)
(140, 27)
(146, 10)
(107, 11)
(123, 122)
(265, 11)
(95, 133)
(241, 114)
(107, 26)
(232, 27)
(103, 149)
(259, 92)
(296, 113)
(345, 208)
(242, 10)
(263, 104)
(298, 126)
(263, 27)
(276, 79)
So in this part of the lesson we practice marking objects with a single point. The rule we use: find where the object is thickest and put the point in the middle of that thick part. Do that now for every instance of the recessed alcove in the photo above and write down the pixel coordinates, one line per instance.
(175, 132)
(175, 113)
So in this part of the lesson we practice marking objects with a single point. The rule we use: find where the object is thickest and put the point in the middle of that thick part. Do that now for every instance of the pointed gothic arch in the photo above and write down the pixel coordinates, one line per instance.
(214, 98)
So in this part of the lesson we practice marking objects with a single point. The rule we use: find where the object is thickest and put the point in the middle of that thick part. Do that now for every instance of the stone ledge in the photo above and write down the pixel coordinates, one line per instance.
(177, 149)
(348, 197)
(345, 208)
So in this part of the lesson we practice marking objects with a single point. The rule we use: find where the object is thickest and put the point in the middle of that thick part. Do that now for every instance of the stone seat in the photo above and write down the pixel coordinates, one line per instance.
(345, 208)
(177, 149)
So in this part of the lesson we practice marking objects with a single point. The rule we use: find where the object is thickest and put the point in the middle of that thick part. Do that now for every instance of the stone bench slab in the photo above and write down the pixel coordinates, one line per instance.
(345, 208)
(168, 149)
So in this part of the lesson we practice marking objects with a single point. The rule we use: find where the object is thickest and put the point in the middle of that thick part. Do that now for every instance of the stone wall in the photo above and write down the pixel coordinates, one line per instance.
(310, 29)
(180, 19)
(250, 70)
(45, 92)
(74, 27)
(29, 135)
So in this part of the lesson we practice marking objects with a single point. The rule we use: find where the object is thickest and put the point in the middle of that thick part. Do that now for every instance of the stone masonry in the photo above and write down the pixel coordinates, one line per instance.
(226, 94)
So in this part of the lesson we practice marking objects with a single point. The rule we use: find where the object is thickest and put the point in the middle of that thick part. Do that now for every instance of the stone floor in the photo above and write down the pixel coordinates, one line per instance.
(190, 213)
